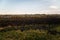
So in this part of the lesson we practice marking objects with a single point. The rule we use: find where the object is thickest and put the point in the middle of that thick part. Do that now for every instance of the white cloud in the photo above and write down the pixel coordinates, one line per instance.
(53, 7)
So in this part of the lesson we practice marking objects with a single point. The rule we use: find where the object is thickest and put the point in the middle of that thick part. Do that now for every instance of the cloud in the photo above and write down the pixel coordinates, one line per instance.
(53, 7)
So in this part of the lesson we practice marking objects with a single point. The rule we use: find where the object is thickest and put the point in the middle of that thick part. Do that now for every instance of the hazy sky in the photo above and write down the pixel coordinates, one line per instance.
(29, 6)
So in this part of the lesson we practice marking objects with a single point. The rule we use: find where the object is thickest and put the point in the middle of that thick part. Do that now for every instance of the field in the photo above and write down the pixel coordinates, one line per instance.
(30, 27)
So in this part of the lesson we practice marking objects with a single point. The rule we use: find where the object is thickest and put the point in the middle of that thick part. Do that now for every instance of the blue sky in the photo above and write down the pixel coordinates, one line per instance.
(28, 6)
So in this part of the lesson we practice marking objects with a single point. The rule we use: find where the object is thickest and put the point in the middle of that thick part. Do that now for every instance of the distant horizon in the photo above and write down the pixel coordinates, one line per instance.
(29, 14)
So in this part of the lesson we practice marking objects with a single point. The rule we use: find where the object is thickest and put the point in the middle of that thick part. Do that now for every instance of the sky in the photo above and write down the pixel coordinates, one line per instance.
(29, 6)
